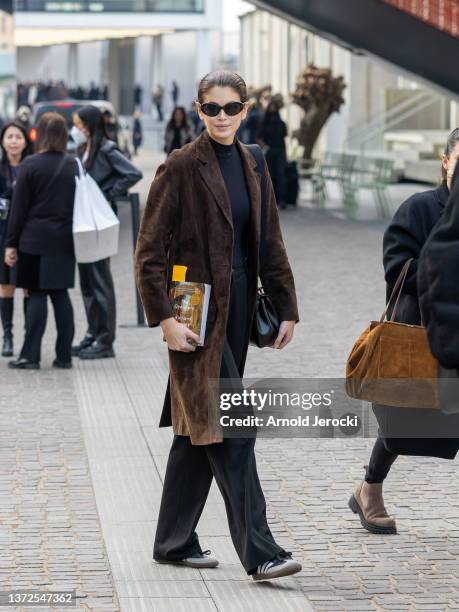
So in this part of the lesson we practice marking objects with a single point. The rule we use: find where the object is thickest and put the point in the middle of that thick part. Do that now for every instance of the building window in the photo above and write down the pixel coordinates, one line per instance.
(124, 6)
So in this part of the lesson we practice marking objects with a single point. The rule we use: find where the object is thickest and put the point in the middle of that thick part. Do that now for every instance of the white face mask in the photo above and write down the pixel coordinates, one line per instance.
(78, 136)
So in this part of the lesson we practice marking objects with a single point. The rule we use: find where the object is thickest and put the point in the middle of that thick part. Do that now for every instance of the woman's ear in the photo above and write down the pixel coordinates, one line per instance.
(197, 108)
(444, 161)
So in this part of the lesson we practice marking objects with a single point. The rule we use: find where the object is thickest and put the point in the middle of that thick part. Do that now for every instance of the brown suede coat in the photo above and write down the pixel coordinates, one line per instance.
(187, 221)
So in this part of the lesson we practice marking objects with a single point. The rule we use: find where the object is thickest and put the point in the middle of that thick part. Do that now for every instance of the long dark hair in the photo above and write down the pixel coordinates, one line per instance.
(452, 141)
(455, 183)
(5, 162)
(171, 122)
(94, 121)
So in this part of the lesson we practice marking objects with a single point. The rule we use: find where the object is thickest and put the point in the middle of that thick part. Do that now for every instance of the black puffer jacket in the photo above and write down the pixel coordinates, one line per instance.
(403, 239)
(113, 172)
(438, 282)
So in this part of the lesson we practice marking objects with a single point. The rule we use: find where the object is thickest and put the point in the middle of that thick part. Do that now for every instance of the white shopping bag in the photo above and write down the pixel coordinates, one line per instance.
(95, 225)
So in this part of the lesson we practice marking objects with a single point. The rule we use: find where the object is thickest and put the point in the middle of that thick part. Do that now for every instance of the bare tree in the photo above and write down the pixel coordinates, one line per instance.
(319, 94)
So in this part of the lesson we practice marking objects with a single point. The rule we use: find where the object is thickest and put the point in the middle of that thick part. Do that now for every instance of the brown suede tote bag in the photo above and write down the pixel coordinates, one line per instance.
(391, 363)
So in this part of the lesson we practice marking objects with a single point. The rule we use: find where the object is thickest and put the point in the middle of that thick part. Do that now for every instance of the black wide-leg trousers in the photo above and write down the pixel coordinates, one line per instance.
(190, 470)
(99, 300)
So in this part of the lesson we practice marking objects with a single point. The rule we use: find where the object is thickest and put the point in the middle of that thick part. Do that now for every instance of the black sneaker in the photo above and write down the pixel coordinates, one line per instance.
(96, 351)
(23, 364)
(278, 567)
(199, 560)
(64, 365)
(87, 341)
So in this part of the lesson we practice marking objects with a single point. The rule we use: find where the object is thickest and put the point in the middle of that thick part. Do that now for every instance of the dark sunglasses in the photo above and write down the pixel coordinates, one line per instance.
(211, 109)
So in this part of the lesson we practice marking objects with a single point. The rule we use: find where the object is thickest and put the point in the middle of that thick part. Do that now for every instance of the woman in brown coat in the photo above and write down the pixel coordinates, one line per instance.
(204, 212)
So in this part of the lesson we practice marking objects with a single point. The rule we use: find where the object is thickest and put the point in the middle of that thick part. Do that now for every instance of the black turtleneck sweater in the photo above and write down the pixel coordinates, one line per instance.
(230, 162)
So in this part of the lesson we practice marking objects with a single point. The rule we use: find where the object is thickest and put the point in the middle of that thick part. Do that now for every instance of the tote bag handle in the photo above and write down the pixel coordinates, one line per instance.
(399, 283)
(81, 171)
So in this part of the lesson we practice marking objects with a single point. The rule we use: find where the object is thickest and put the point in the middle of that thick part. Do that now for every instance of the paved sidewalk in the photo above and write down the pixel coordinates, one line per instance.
(82, 462)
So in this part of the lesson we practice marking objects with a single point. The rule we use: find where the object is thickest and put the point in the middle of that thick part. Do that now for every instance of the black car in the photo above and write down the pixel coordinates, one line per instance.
(66, 108)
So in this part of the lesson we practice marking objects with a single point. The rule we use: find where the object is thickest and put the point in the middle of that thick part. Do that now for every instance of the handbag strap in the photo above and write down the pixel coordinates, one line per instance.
(81, 171)
(399, 283)
(257, 153)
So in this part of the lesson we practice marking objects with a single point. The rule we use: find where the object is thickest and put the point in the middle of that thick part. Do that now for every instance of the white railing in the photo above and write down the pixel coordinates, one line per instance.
(359, 136)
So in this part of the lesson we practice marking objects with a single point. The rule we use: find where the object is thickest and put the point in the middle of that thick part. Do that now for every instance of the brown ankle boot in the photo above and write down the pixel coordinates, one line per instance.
(371, 510)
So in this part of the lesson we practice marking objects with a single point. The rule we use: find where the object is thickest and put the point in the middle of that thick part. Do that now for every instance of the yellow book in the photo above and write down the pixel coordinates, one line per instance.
(190, 302)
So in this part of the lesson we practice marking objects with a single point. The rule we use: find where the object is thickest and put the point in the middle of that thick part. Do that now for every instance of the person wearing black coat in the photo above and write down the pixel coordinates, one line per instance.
(115, 175)
(179, 131)
(404, 239)
(40, 241)
(15, 146)
(137, 132)
(272, 134)
(251, 125)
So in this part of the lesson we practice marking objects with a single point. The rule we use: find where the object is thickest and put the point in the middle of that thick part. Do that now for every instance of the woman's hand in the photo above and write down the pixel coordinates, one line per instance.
(178, 336)
(11, 256)
(285, 334)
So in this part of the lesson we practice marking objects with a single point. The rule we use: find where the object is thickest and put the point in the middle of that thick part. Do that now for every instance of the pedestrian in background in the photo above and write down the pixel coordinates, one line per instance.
(272, 133)
(138, 95)
(158, 98)
(111, 126)
(23, 116)
(137, 132)
(115, 175)
(15, 146)
(40, 241)
(175, 92)
(182, 225)
(93, 91)
(178, 131)
(251, 126)
(195, 120)
(404, 239)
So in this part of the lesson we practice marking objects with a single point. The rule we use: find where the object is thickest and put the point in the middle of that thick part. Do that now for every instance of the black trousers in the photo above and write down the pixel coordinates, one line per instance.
(276, 161)
(159, 110)
(380, 463)
(190, 470)
(35, 324)
(98, 292)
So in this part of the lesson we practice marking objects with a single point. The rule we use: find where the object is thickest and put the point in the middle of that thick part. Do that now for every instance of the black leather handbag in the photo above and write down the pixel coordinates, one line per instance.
(265, 325)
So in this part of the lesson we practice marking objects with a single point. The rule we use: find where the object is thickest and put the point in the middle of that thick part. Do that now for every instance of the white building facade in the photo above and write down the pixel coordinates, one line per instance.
(274, 51)
(120, 43)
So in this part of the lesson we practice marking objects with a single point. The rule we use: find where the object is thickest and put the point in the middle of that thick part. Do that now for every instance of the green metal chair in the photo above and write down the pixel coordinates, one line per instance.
(334, 167)
(374, 174)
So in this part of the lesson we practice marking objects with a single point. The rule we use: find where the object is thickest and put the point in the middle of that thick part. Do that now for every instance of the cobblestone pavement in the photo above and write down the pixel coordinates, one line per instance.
(49, 525)
(83, 446)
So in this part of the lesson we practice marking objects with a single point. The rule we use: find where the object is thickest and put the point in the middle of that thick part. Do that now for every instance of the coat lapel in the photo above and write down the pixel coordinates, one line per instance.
(212, 176)
(253, 179)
